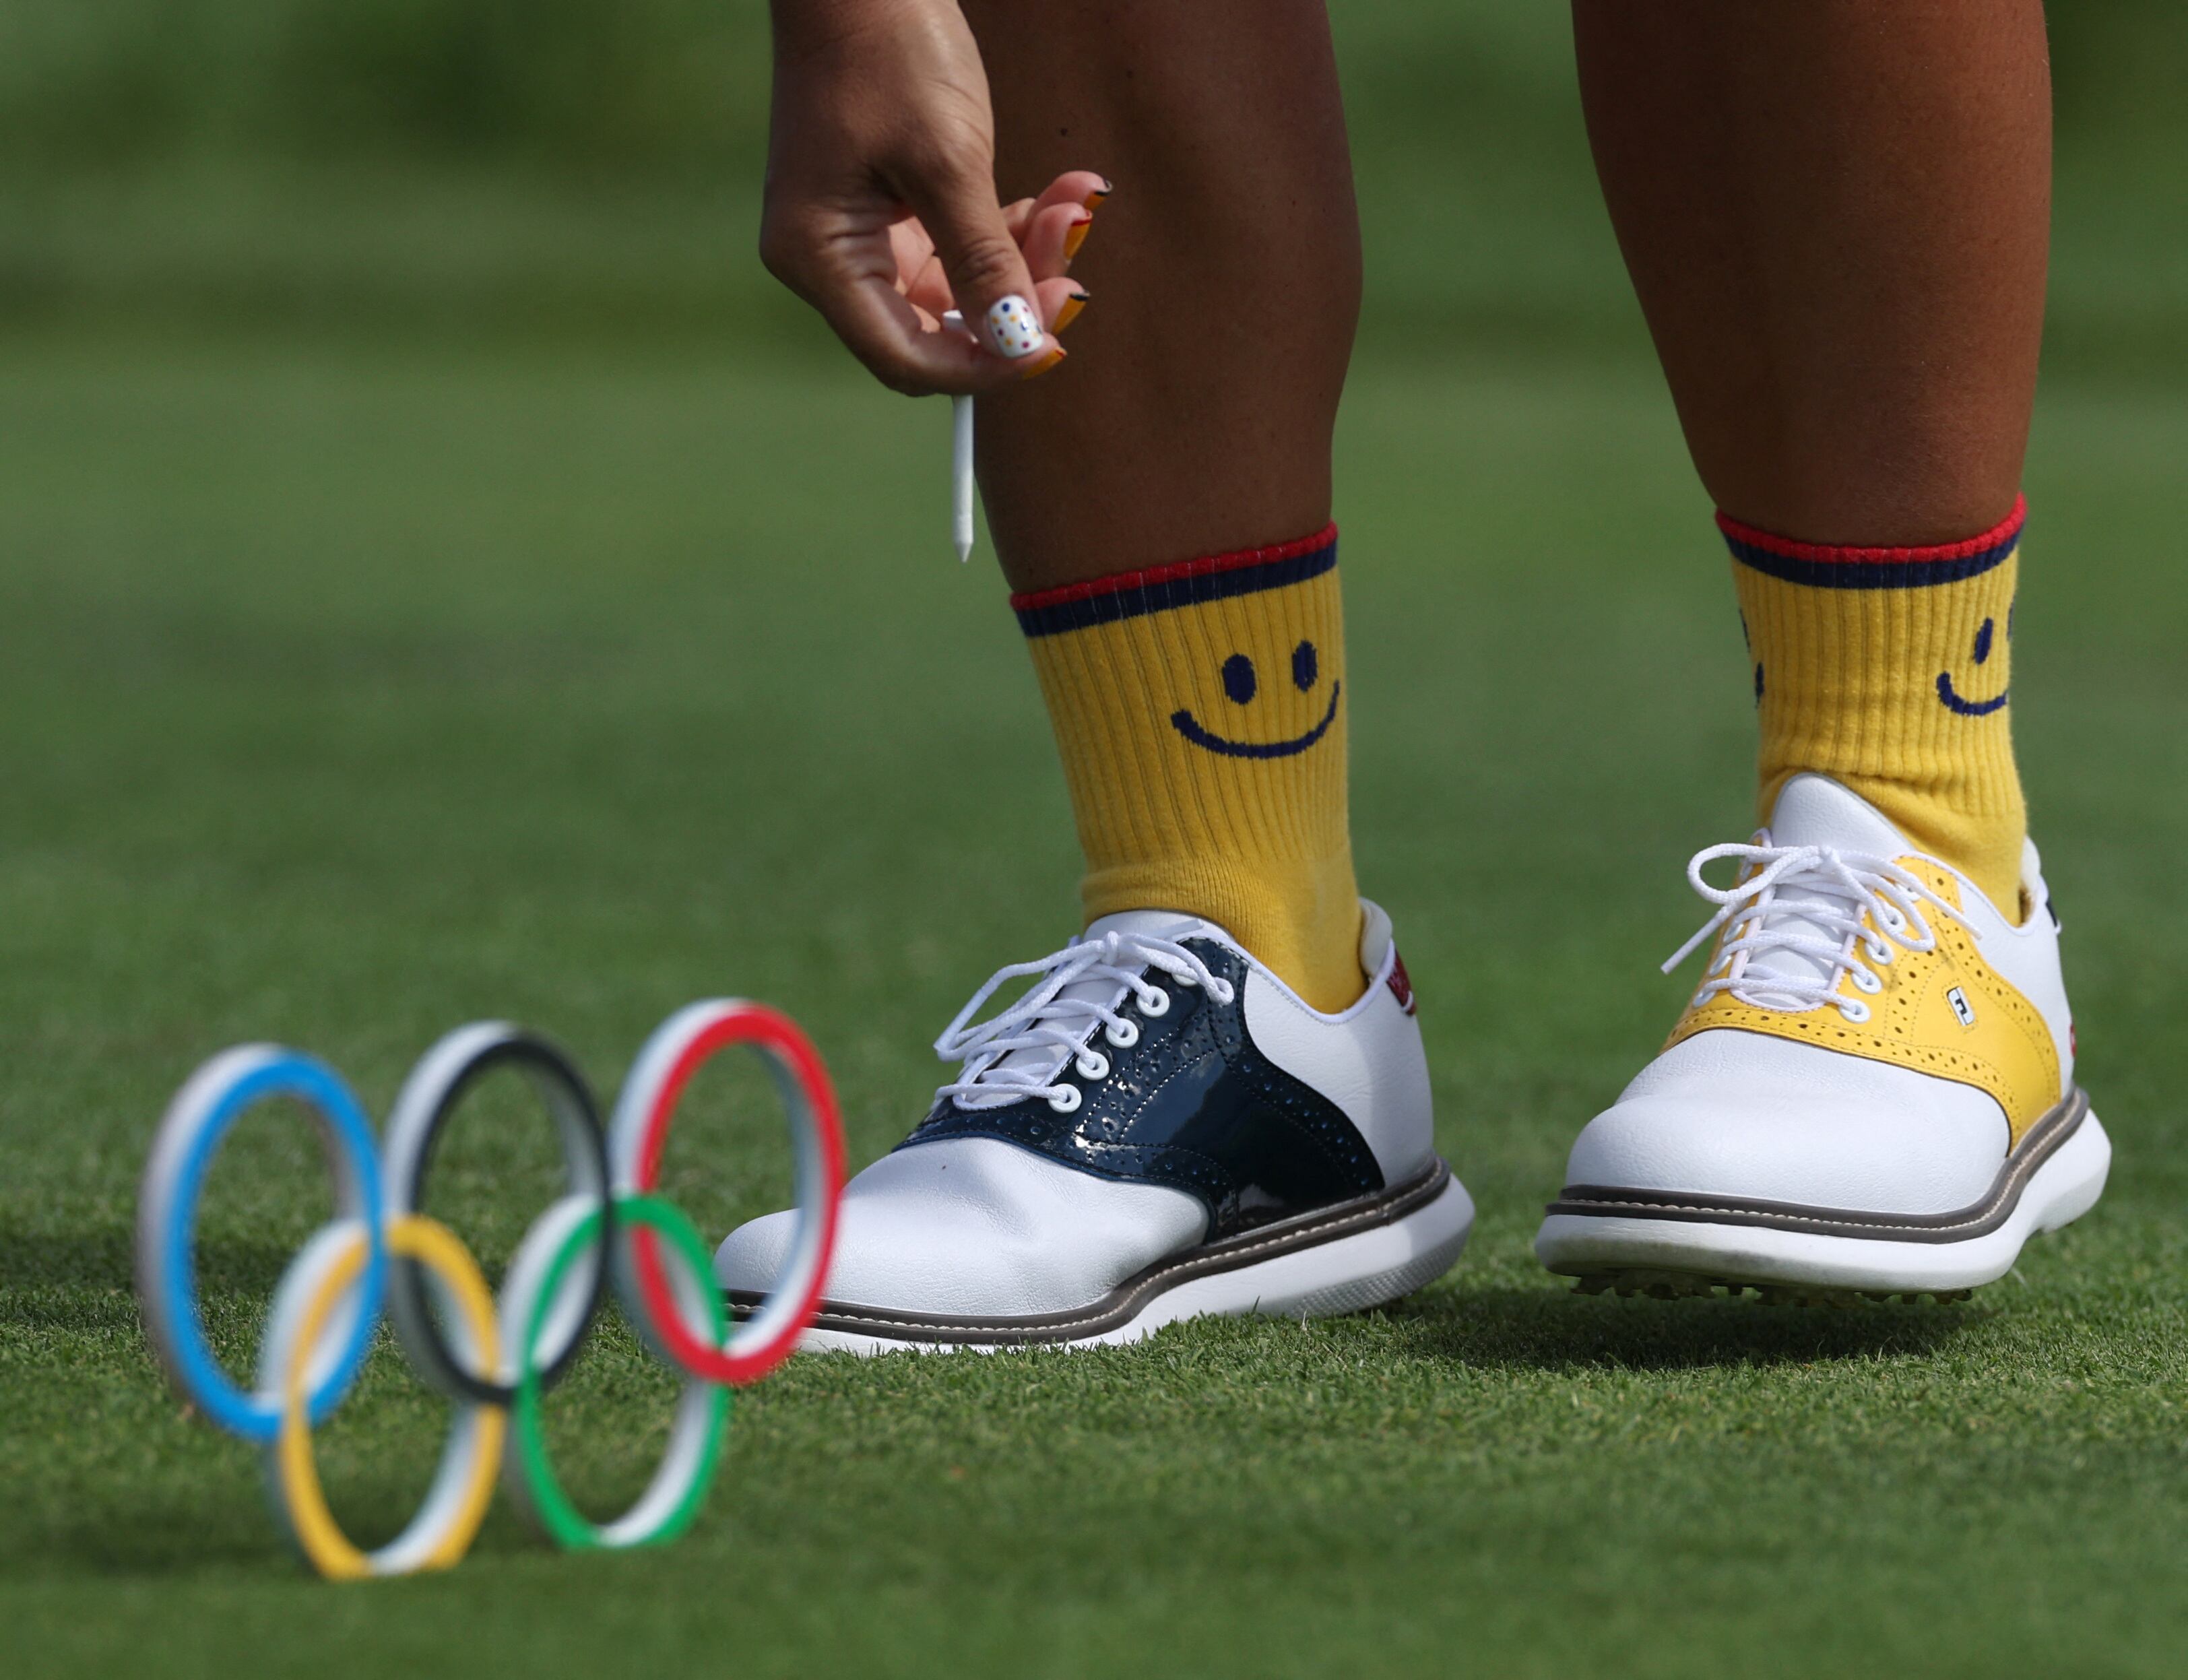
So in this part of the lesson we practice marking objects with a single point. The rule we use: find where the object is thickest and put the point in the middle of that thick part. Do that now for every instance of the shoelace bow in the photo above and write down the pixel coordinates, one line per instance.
(1041, 1019)
(1825, 888)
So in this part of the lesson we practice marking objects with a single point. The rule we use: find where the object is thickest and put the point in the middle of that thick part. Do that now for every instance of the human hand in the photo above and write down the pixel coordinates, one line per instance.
(881, 206)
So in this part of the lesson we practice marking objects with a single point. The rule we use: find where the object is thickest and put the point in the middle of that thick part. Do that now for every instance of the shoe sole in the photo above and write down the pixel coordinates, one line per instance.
(1653, 1243)
(1340, 1259)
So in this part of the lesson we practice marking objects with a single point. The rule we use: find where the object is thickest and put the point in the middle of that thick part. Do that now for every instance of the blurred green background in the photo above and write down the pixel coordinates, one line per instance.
(592, 165)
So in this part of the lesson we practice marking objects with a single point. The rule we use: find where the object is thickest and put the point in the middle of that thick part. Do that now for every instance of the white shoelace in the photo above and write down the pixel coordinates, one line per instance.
(1808, 902)
(1043, 1019)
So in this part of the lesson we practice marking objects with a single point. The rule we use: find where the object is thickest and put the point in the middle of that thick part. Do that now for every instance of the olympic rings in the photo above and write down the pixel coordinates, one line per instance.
(642, 1116)
(317, 1282)
(666, 1507)
(166, 1222)
(423, 1108)
(493, 1360)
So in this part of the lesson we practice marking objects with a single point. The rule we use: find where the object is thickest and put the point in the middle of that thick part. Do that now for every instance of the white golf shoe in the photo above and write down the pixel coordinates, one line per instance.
(1871, 1092)
(1158, 1128)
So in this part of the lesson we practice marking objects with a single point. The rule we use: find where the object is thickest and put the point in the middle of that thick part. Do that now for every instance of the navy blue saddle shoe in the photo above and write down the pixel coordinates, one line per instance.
(1156, 1129)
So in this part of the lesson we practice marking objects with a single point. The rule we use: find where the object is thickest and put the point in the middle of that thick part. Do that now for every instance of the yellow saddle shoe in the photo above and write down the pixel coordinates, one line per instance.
(1872, 1090)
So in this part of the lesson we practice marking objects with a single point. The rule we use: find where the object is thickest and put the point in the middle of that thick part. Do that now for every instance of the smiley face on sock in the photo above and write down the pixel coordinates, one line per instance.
(1948, 692)
(1252, 702)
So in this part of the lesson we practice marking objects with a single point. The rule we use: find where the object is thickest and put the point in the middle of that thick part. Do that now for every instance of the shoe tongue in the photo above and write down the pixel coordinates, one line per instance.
(1162, 924)
(1154, 924)
(1813, 810)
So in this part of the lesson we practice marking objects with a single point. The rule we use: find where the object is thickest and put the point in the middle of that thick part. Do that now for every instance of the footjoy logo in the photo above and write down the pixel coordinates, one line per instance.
(1961, 1007)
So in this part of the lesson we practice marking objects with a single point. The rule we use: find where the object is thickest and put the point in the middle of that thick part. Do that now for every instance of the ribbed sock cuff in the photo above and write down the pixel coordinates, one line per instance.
(1198, 709)
(1890, 670)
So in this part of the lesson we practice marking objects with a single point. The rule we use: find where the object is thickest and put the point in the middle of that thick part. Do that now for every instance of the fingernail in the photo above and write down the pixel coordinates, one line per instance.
(1013, 328)
(1102, 192)
(1034, 369)
(1075, 235)
(1069, 312)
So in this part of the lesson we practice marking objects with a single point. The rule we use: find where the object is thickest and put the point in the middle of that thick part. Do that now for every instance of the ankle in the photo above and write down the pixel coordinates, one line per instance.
(1889, 670)
(1198, 709)
(1301, 922)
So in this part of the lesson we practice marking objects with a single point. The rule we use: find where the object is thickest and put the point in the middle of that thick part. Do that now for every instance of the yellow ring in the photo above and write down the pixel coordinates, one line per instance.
(331, 1552)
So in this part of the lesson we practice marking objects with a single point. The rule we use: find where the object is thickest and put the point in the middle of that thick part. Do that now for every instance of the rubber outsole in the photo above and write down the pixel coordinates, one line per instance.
(1674, 1286)
(1688, 1252)
(1343, 1259)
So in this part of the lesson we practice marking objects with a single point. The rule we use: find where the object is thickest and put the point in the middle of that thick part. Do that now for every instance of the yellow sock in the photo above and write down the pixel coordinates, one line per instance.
(1887, 668)
(1200, 709)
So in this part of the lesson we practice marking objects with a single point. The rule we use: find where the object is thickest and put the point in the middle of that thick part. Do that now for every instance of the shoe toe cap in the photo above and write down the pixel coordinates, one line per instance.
(976, 1228)
(1734, 1114)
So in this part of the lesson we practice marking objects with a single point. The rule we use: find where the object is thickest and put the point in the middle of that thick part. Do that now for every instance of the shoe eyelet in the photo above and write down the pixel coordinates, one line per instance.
(1155, 1003)
(1092, 1064)
(1881, 955)
(1866, 982)
(1124, 1035)
(1854, 1012)
(1183, 980)
(1066, 1099)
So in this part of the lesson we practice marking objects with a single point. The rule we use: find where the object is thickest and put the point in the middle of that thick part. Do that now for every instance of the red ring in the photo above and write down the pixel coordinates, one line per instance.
(767, 1030)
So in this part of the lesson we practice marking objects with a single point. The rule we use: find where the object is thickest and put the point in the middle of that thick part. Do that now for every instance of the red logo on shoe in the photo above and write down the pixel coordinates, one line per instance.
(1402, 984)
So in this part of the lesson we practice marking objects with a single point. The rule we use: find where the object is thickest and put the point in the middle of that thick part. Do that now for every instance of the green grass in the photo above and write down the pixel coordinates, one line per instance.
(349, 693)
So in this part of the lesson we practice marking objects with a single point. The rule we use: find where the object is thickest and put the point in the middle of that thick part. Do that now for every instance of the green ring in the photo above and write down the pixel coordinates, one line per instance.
(567, 1526)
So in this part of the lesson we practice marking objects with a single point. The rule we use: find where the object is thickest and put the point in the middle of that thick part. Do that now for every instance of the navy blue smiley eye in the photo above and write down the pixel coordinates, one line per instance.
(1241, 683)
(1982, 640)
(1306, 667)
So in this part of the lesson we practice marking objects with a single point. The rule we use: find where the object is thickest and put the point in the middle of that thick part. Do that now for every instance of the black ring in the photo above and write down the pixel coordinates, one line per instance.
(428, 1101)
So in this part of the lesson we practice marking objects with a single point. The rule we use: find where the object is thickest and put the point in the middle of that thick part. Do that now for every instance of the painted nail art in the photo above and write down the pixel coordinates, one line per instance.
(1034, 369)
(1013, 328)
(1075, 235)
(1069, 313)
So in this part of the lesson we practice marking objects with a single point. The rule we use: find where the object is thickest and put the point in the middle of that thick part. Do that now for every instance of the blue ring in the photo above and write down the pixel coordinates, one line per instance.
(286, 1072)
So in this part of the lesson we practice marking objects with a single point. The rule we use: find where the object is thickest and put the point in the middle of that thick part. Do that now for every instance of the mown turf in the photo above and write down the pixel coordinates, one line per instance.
(347, 696)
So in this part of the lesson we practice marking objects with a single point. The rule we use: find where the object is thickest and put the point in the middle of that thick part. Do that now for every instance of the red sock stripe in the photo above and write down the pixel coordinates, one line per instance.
(1153, 588)
(1845, 567)
(1998, 534)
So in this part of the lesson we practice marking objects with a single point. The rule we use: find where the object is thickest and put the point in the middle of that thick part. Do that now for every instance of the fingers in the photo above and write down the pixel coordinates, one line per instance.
(1049, 229)
(1081, 186)
(988, 276)
(1058, 298)
(911, 352)
(1061, 302)
(919, 271)
(1017, 214)
(876, 275)
(1052, 238)
(881, 203)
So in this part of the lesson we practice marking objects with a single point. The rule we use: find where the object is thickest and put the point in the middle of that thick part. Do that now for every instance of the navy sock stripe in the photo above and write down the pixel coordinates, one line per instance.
(1143, 593)
(1826, 565)
(1870, 574)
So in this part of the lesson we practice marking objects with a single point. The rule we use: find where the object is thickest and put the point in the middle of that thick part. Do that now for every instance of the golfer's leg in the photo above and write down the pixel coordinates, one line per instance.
(1836, 215)
(1194, 417)
(1202, 731)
